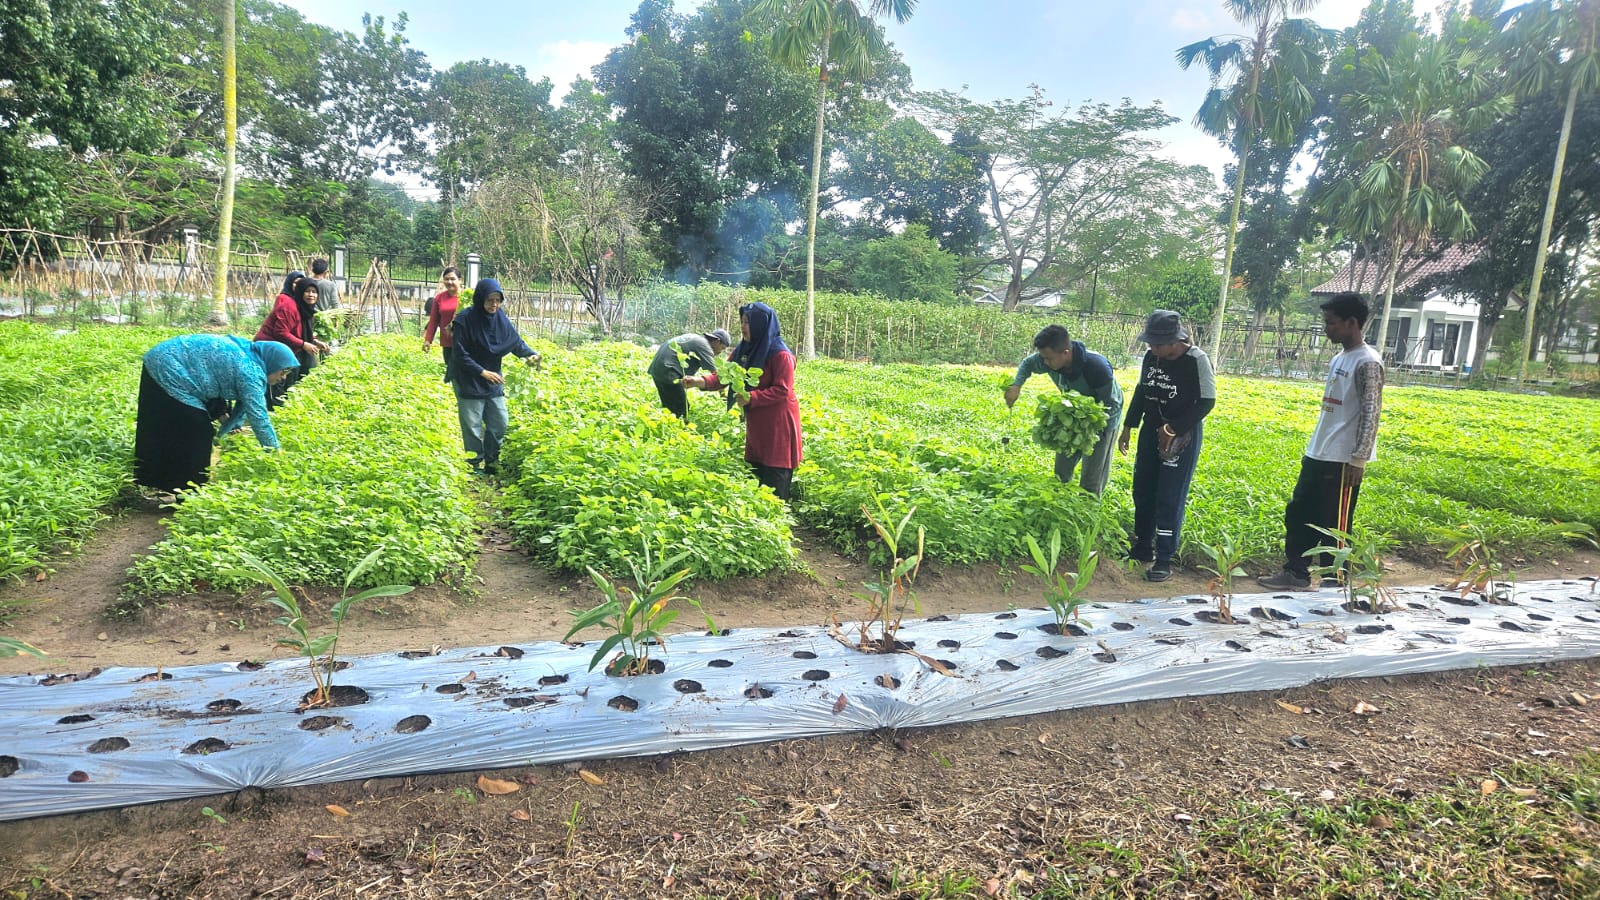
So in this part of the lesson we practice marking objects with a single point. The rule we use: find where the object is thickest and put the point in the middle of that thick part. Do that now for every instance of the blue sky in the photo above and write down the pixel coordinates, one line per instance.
(1077, 50)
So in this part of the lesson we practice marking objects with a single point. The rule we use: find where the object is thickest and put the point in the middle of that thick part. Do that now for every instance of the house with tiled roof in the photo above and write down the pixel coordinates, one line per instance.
(1430, 327)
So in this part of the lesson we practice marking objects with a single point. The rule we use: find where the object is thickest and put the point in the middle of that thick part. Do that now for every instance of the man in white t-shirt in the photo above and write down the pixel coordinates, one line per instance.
(1342, 444)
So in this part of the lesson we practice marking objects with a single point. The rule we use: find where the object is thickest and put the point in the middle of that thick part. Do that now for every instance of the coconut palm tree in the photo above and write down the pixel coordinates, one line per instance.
(1551, 45)
(836, 36)
(230, 136)
(1407, 170)
(1277, 49)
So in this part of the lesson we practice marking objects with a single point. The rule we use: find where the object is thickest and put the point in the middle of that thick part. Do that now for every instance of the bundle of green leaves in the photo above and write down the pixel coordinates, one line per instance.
(371, 458)
(1069, 422)
(596, 470)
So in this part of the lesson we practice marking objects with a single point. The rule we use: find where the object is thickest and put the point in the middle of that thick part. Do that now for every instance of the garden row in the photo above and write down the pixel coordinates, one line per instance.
(371, 458)
(66, 435)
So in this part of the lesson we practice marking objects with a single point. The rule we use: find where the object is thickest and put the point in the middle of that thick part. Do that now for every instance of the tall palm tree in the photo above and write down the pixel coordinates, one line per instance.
(831, 35)
(1552, 45)
(1276, 48)
(1408, 114)
(230, 136)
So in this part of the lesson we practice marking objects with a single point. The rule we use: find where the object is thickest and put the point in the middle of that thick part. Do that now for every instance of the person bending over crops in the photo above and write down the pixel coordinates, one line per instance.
(441, 312)
(1176, 390)
(772, 439)
(482, 336)
(1341, 445)
(1073, 367)
(290, 323)
(187, 383)
(699, 354)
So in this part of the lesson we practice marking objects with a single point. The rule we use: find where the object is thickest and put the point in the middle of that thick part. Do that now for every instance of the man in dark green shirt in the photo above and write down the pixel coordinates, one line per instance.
(1074, 368)
(699, 354)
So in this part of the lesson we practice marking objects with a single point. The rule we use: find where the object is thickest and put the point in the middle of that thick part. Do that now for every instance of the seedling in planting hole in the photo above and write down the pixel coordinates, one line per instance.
(636, 615)
(1483, 569)
(320, 651)
(1225, 559)
(1358, 565)
(889, 597)
(1064, 591)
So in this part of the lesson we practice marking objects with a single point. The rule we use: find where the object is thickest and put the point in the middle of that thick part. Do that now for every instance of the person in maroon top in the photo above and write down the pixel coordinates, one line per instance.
(441, 310)
(290, 323)
(772, 438)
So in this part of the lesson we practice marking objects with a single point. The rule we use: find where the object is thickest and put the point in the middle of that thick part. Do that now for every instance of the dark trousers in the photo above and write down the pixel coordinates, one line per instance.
(171, 440)
(1315, 502)
(673, 397)
(773, 477)
(1160, 494)
(449, 354)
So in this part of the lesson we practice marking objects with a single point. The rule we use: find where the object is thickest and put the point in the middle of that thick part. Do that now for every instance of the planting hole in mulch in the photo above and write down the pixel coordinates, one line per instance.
(1210, 616)
(522, 702)
(1006, 665)
(1323, 612)
(415, 654)
(206, 746)
(1417, 605)
(1005, 635)
(719, 632)
(1050, 628)
(52, 680)
(1514, 626)
(320, 723)
(757, 692)
(225, 705)
(948, 664)
(1538, 618)
(815, 675)
(1587, 619)
(790, 634)
(77, 719)
(1459, 620)
(109, 745)
(654, 667)
(939, 618)
(1105, 657)
(1122, 626)
(338, 695)
(1169, 641)
(687, 686)
(509, 652)
(250, 665)
(1048, 652)
(1269, 633)
(551, 680)
(1458, 600)
(450, 689)
(1076, 630)
(887, 681)
(1006, 615)
(9, 766)
(720, 663)
(153, 676)
(624, 703)
(1196, 601)
(1267, 612)
(413, 724)
(1179, 621)
(1373, 629)
(78, 776)
(950, 645)
(804, 654)
(335, 666)
(1235, 645)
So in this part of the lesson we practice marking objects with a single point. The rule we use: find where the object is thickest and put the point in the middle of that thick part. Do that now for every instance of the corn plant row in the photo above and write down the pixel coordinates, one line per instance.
(597, 472)
(66, 437)
(371, 458)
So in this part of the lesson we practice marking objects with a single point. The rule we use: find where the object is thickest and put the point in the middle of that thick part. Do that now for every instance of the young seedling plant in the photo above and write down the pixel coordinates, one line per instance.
(320, 650)
(1357, 563)
(1225, 559)
(637, 616)
(889, 598)
(1063, 591)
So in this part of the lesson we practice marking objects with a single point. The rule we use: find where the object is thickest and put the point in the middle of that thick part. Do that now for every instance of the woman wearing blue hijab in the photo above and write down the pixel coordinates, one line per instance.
(190, 381)
(482, 336)
(772, 438)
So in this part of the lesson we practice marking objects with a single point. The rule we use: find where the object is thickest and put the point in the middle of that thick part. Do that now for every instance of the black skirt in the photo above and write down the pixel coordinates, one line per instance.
(172, 440)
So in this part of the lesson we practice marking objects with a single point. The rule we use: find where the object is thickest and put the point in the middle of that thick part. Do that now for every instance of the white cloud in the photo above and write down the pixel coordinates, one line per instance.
(564, 61)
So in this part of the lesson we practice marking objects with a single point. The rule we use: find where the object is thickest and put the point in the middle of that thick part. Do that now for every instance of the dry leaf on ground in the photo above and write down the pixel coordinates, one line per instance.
(496, 787)
(591, 777)
(337, 810)
(1363, 708)
(1297, 710)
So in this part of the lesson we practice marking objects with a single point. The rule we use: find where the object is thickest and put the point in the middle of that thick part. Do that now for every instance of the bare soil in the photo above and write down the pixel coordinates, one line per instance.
(1001, 802)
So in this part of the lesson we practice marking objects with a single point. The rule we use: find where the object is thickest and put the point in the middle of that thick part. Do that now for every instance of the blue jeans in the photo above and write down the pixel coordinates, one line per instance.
(483, 427)
(1160, 493)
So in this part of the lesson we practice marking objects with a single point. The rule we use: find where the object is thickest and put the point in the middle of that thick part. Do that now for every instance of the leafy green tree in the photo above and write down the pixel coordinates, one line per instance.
(1405, 170)
(903, 174)
(1276, 54)
(836, 38)
(1552, 46)
(1185, 286)
(906, 266)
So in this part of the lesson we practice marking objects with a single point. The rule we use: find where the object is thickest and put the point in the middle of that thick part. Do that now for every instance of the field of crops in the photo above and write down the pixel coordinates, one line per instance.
(596, 473)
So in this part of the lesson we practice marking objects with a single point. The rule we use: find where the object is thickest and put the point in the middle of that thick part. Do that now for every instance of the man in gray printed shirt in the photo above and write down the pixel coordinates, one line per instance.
(1342, 444)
